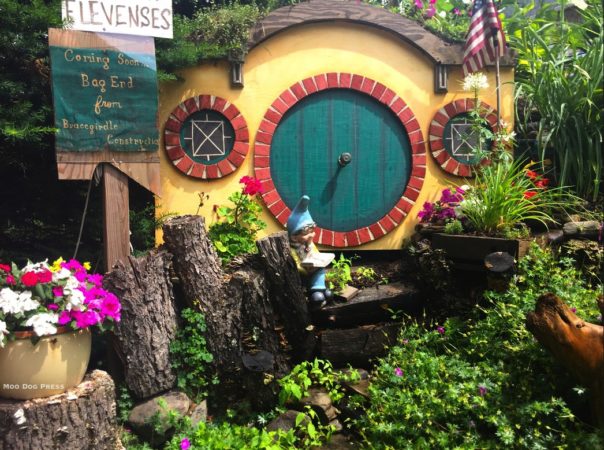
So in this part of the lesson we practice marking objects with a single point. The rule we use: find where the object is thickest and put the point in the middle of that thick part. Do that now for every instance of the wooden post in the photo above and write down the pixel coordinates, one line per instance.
(116, 222)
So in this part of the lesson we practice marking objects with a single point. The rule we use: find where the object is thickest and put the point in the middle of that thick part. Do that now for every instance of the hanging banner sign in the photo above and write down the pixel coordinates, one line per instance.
(104, 91)
(138, 17)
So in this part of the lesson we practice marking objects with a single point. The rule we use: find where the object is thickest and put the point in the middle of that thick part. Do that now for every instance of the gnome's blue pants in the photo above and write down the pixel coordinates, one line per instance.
(317, 280)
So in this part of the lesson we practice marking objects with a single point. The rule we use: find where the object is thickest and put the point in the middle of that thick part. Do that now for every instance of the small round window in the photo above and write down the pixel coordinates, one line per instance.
(454, 138)
(207, 136)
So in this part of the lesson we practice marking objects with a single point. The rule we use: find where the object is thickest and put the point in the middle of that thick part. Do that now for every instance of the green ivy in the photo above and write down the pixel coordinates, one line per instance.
(484, 382)
(189, 356)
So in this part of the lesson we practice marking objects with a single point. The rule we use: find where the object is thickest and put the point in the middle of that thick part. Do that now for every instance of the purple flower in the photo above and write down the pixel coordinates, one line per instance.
(53, 307)
(57, 291)
(440, 330)
(482, 390)
(430, 11)
(419, 4)
(185, 444)
(456, 11)
(574, 310)
(64, 318)
(398, 372)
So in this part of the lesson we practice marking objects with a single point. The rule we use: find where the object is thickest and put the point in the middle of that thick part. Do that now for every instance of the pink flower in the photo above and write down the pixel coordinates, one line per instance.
(440, 330)
(57, 291)
(10, 279)
(432, 2)
(111, 307)
(574, 310)
(419, 4)
(482, 391)
(29, 279)
(185, 444)
(85, 319)
(5, 267)
(430, 11)
(398, 372)
(64, 318)
(53, 306)
(95, 279)
(456, 11)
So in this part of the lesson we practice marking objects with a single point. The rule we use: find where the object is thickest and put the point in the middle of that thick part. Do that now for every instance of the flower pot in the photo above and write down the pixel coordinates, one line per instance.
(468, 252)
(51, 366)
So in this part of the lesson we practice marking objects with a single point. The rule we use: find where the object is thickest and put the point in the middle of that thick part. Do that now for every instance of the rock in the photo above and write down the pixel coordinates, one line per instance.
(331, 413)
(199, 414)
(338, 442)
(554, 236)
(337, 425)
(589, 229)
(286, 421)
(318, 399)
(361, 387)
(143, 416)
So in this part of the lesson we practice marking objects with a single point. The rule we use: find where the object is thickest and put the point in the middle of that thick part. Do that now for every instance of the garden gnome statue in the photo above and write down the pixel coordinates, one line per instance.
(311, 263)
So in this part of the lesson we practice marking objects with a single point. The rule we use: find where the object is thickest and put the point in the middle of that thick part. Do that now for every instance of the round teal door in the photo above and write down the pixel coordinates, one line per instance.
(349, 152)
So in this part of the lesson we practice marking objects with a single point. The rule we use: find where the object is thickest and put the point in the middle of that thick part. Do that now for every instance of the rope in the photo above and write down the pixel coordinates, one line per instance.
(96, 176)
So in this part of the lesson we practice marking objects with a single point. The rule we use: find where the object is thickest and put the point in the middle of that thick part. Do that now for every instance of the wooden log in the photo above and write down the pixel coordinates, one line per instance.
(578, 345)
(371, 305)
(588, 229)
(84, 417)
(149, 321)
(287, 293)
(357, 346)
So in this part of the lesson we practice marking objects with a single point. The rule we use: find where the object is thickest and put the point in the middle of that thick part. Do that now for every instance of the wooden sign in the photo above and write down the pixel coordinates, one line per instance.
(105, 102)
(137, 17)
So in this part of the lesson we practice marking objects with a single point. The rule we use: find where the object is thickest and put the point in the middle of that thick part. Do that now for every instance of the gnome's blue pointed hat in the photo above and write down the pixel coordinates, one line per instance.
(300, 217)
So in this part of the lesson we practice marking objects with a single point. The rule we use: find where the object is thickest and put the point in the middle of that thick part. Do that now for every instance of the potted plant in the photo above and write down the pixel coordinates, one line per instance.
(491, 215)
(46, 312)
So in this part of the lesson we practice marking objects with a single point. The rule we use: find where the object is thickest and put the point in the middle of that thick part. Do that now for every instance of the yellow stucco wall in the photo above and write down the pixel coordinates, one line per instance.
(298, 53)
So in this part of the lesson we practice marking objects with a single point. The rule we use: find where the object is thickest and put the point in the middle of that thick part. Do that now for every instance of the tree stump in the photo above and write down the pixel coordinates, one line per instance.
(149, 321)
(84, 417)
(578, 345)
(241, 331)
(287, 293)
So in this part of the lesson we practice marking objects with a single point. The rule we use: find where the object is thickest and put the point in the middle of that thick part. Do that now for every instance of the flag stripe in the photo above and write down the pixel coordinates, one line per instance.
(480, 49)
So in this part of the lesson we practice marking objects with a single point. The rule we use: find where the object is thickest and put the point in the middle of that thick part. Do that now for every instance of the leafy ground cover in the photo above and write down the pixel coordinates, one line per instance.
(483, 381)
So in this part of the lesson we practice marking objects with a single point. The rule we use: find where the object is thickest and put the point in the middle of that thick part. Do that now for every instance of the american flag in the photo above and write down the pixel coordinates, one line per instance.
(479, 48)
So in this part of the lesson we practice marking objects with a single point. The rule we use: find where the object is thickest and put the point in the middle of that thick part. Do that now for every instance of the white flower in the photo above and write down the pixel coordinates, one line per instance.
(13, 303)
(3, 331)
(466, 2)
(475, 81)
(43, 323)
(75, 300)
(19, 417)
(37, 267)
(61, 274)
(442, 14)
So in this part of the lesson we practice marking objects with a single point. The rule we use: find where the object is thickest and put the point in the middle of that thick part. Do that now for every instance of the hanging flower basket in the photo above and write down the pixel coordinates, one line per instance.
(47, 367)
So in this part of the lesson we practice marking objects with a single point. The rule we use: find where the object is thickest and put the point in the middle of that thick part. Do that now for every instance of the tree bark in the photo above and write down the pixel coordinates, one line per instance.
(287, 293)
(84, 417)
(149, 322)
(202, 279)
(578, 345)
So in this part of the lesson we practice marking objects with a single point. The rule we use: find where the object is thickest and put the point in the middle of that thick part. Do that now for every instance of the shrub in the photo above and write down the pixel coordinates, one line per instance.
(339, 275)
(484, 382)
(235, 232)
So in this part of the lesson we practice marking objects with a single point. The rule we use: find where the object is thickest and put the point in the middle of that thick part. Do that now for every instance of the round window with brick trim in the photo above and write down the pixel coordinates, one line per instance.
(352, 145)
(206, 137)
(453, 137)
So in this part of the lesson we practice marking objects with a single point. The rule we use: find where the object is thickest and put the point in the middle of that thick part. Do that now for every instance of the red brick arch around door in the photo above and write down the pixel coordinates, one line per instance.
(380, 93)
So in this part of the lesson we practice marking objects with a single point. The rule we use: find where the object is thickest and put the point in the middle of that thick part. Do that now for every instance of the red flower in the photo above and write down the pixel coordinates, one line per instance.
(29, 279)
(529, 194)
(5, 267)
(252, 185)
(542, 183)
(532, 174)
(45, 276)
